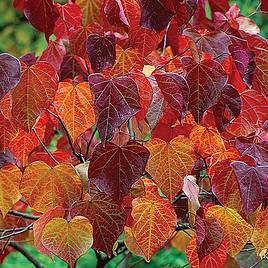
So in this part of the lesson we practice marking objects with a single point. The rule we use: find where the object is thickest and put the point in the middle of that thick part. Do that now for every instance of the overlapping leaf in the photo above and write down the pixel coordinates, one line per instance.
(68, 240)
(107, 219)
(44, 187)
(116, 101)
(9, 187)
(115, 169)
(75, 107)
(170, 162)
(90, 9)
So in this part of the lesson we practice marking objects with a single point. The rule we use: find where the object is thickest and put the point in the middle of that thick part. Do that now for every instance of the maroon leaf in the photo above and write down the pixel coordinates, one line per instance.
(209, 234)
(259, 151)
(10, 72)
(42, 14)
(116, 100)
(155, 15)
(29, 59)
(219, 6)
(213, 43)
(175, 90)
(206, 80)
(114, 169)
(264, 5)
(184, 10)
(107, 219)
(101, 51)
(227, 108)
(253, 184)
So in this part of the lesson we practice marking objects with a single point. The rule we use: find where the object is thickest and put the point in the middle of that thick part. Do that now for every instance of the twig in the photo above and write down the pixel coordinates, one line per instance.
(185, 265)
(90, 141)
(130, 129)
(23, 215)
(44, 146)
(26, 254)
(165, 40)
(79, 156)
(27, 228)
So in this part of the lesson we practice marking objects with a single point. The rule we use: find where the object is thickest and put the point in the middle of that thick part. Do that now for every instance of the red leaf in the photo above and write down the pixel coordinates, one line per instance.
(184, 10)
(42, 14)
(206, 80)
(264, 5)
(116, 100)
(253, 184)
(10, 73)
(101, 51)
(115, 169)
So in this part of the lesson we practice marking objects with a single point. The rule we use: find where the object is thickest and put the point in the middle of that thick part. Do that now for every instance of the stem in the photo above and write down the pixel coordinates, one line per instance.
(78, 156)
(165, 40)
(26, 254)
(130, 129)
(90, 141)
(27, 228)
(45, 148)
(23, 215)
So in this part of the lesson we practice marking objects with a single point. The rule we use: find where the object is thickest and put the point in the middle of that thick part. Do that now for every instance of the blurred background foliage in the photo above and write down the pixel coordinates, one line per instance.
(18, 38)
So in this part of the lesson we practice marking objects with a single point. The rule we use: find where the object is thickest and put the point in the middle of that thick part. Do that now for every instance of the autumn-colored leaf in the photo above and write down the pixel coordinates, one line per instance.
(34, 93)
(131, 243)
(154, 222)
(75, 107)
(90, 9)
(114, 169)
(170, 162)
(10, 72)
(253, 184)
(260, 235)
(9, 187)
(206, 140)
(68, 240)
(39, 225)
(237, 231)
(116, 101)
(107, 219)
(181, 239)
(44, 187)
(191, 189)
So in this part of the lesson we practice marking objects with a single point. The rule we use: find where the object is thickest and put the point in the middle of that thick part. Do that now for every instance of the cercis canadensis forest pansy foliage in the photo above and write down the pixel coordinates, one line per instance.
(144, 118)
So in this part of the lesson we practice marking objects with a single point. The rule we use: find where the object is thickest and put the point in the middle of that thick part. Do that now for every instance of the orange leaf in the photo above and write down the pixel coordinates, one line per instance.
(90, 9)
(68, 240)
(39, 225)
(75, 107)
(34, 93)
(260, 234)
(154, 222)
(44, 187)
(10, 177)
(170, 162)
(207, 140)
(237, 231)
(181, 239)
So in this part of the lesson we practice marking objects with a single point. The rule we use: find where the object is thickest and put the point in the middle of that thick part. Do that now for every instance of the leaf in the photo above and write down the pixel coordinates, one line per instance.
(116, 100)
(9, 187)
(191, 189)
(154, 222)
(170, 162)
(10, 73)
(114, 169)
(143, 39)
(68, 240)
(237, 231)
(225, 186)
(42, 14)
(101, 51)
(107, 219)
(34, 93)
(74, 106)
(206, 80)
(90, 9)
(155, 15)
(264, 6)
(175, 90)
(184, 10)
(206, 140)
(217, 258)
(260, 235)
(215, 43)
(39, 225)
(181, 239)
(253, 184)
(45, 187)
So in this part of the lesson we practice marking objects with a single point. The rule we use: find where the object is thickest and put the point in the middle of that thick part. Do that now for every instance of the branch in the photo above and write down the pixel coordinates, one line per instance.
(90, 141)
(44, 146)
(26, 254)
(79, 156)
(27, 228)
(23, 215)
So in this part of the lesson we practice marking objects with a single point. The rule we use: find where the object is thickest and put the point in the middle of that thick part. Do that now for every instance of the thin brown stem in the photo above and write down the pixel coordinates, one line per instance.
(90, 141)
(23, 215)
(27, 228)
